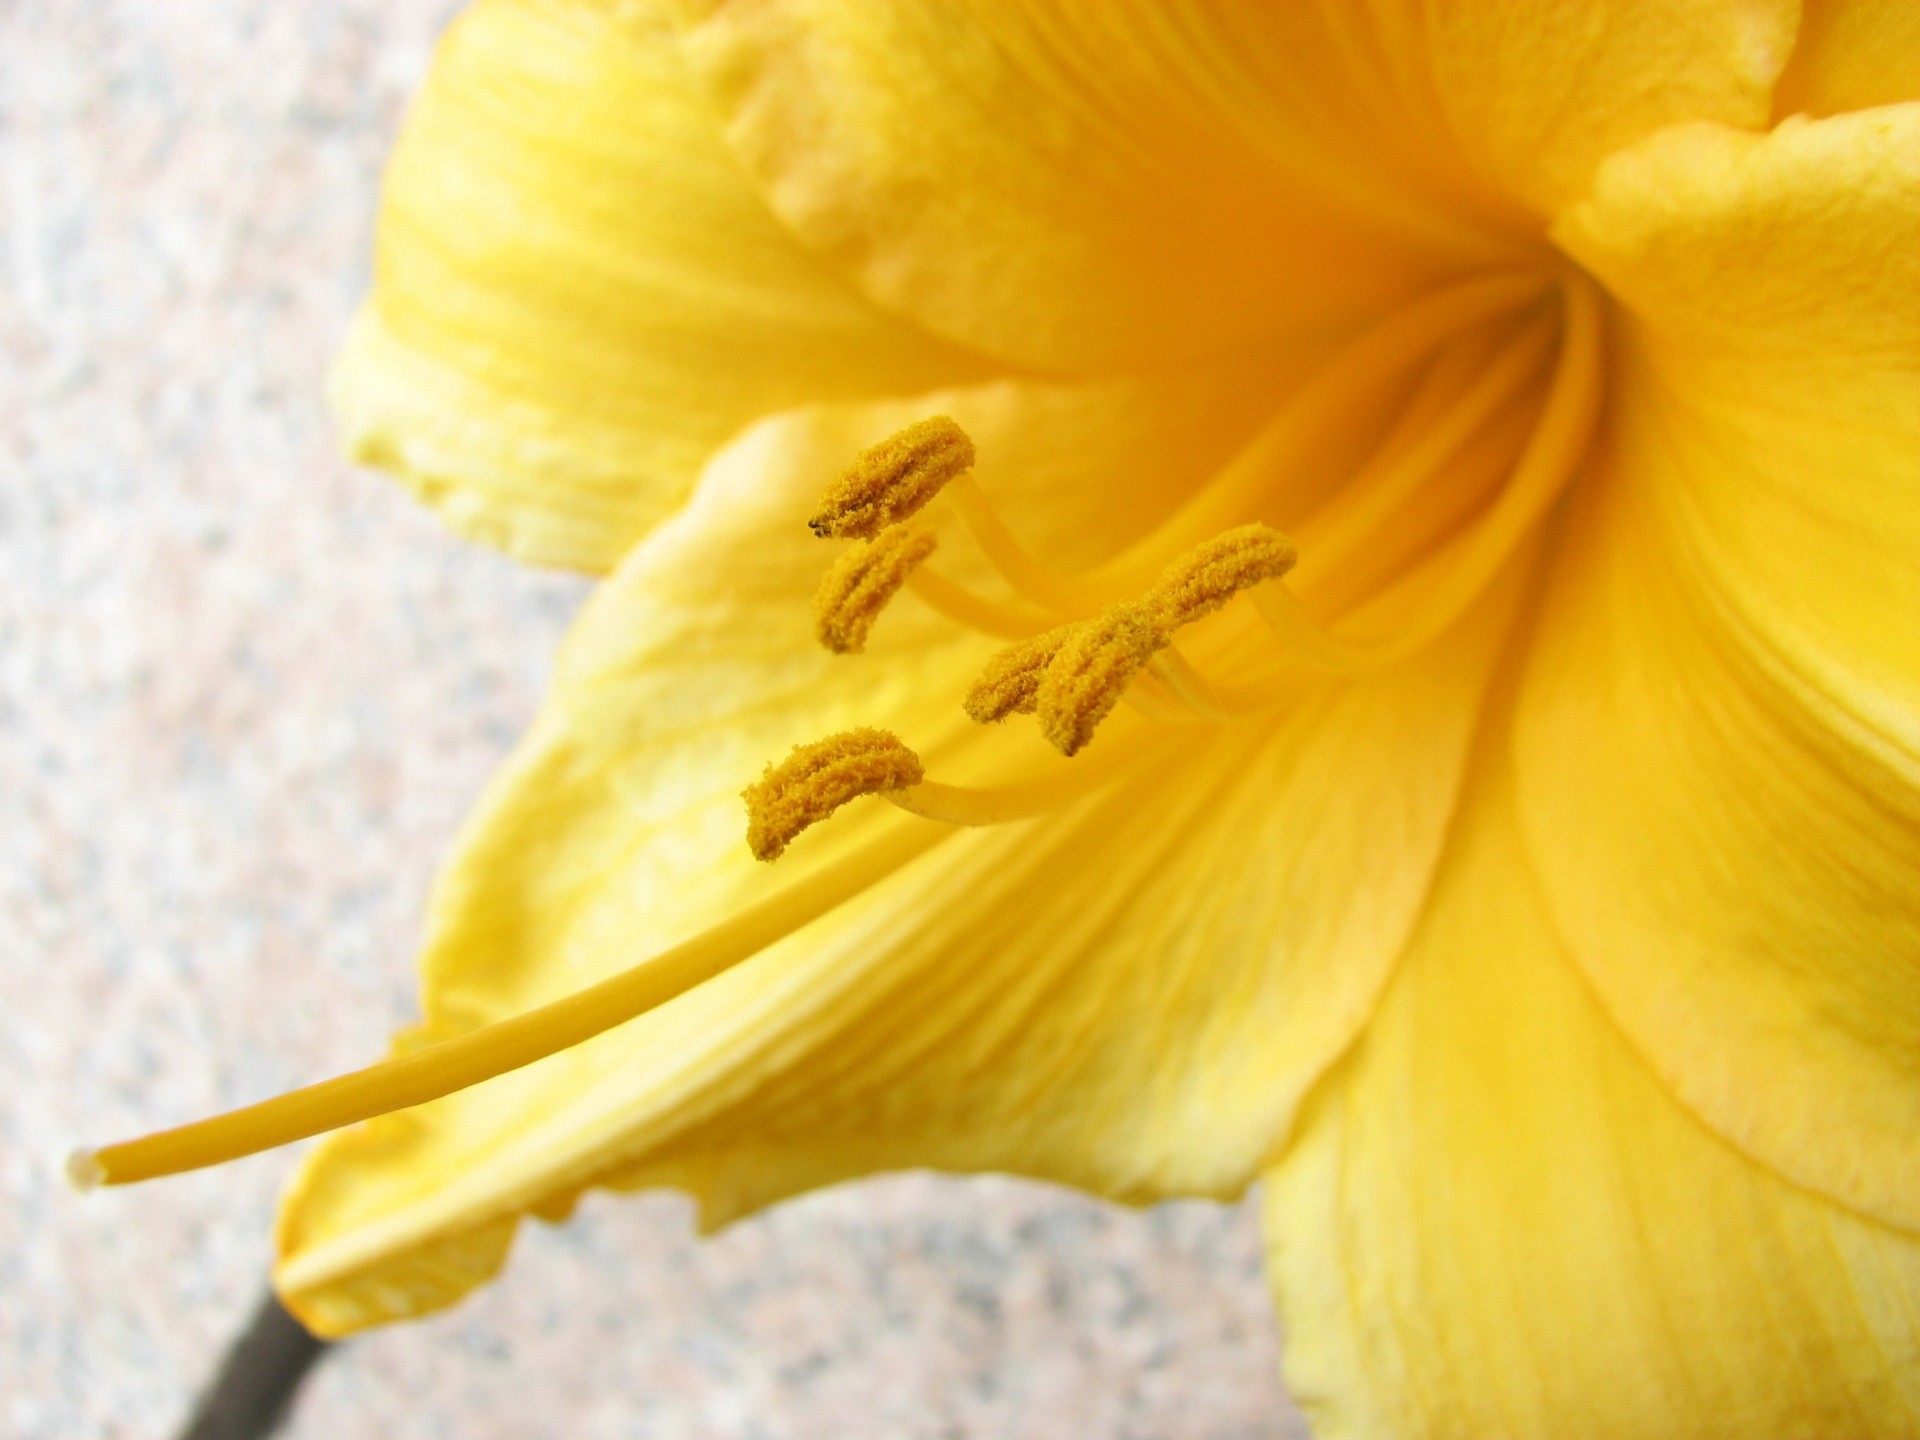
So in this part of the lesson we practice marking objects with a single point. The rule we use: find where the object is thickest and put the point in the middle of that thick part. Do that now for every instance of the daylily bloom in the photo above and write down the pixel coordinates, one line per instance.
(1516, 868)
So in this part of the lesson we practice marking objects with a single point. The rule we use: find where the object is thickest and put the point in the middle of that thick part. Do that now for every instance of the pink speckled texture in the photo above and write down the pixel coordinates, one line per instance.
(245, 696)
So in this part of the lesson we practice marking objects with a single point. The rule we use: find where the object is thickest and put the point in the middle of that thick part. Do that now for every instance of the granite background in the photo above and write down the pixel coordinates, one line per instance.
(245, 695)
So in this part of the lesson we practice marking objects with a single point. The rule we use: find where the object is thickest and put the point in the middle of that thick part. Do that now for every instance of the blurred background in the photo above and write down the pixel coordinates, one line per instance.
(246, 694)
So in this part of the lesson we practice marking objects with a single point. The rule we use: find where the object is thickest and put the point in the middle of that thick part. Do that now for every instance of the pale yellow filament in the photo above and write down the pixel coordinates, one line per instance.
(977, 805)
(1193, 689)
(1335, 533)
(1352, 377)
(1448, 583)
(977, 612)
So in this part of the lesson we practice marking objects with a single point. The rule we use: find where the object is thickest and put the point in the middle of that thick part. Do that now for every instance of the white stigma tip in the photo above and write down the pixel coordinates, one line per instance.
(83, 1170)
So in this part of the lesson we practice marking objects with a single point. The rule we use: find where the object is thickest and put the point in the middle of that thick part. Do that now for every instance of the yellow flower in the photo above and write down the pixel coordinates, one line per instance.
(1526, 888)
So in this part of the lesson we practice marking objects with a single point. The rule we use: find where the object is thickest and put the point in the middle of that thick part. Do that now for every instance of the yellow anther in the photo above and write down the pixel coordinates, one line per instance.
(1215, 570)
(894, 479)
(857, 587)
(1012, 678)
(817, 779)
(1096, 661)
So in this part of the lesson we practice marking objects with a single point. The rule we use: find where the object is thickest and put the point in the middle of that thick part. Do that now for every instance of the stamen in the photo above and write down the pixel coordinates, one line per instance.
(859, 584)
(817, 779)
(1011, 681)
(891, 481)
(1214, 571)
(436, 1070)
(1091, 670)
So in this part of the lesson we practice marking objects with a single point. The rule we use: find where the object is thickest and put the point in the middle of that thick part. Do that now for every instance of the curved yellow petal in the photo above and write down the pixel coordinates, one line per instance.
(1851, 55)
(1719, 740)
(1082, 186)
(1496, 1222)
(1536, 94)
(578, 297)
(1130, 994)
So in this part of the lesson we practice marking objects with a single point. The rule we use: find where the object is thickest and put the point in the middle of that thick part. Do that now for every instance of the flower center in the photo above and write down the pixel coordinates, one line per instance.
(1498, 397)
(1501, 396)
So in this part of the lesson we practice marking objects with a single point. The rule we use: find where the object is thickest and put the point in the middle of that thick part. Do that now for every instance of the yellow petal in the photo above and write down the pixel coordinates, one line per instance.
(1852, 54)
(1129, 995)
(577, 296)
(1538, 94)
(1083, 186)
(1497, 1223)
(1719, 740)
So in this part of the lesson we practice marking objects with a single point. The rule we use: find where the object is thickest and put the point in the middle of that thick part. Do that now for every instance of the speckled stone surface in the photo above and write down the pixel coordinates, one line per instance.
(245, 695)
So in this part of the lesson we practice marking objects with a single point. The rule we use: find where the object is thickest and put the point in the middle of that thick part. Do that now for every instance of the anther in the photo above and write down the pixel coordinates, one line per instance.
(1214, 571)
(859, 584)
(817, 779)
(1095, 663)
(893, 479)
(1011, 681)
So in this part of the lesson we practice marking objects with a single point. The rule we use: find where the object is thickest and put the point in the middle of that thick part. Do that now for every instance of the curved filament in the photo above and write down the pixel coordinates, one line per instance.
(1350, 380)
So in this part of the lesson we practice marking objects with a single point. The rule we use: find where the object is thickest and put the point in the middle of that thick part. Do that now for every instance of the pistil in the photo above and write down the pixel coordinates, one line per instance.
(465, 1060)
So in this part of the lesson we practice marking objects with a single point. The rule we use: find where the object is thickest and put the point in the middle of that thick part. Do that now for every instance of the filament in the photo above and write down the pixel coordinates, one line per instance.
(976, 611)
(979, 805)
(1193, 689)
(1553, 452)
(1353, 376)
(1375, 496)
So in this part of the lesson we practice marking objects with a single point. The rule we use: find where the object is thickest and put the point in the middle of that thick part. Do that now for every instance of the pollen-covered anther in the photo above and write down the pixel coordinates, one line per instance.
(1011, 681)
(857, 587)
(893, 479)
(817, 779)
(1096, 661)
(1214, 571)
